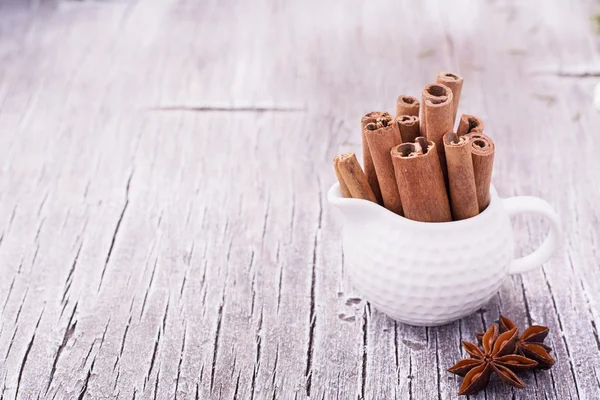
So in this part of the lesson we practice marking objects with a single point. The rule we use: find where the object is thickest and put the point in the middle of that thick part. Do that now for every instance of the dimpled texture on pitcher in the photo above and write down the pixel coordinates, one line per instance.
(424, 276)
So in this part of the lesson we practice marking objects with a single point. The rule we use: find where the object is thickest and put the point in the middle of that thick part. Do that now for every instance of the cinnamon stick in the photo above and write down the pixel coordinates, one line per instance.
(468, 124)
(381, 139)
(372, 117)
(343, 187)
(461, 178)
(409, 127)
(353, 176)
(407, 105)
(436, 119)
(421, 183)
(455, 83)
(482, 152)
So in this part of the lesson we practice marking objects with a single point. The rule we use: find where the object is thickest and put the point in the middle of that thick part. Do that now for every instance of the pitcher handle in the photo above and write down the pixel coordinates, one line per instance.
(522, 204)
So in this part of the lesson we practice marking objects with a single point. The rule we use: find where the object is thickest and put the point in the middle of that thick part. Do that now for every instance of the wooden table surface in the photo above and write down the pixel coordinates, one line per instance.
(164, 229)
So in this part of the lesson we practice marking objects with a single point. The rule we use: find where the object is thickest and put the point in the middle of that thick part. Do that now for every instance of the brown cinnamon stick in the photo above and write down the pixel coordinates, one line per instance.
(409, 127)
(407, 105)
(455, 83)
(468, 124)
(372, 117)
(421, 183)
(436, 119)
(343, 187)
(482, 152)
(381, 139)
(353, 176)
(461, 178)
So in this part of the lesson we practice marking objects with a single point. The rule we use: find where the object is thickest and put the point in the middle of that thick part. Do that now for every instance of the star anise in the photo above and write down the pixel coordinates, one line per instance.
(496, 357)
(530, 343)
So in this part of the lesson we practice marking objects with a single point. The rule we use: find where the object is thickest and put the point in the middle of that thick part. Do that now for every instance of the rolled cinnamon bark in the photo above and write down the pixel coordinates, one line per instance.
(419, 178)
(372, 117)
(407, 105)
(381, 140)
(353, 176)
(468, 124)
(455, 83)
(343, 187)
(436, 119)
(409, 127)
(461, 178)
(482, 152)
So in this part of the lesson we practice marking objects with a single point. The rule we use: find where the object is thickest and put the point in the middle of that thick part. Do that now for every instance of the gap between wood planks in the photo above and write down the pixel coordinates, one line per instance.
(251, 109)
(583, 73)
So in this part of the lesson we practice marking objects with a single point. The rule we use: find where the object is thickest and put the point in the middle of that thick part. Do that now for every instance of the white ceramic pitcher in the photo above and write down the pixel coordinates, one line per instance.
(434, 273)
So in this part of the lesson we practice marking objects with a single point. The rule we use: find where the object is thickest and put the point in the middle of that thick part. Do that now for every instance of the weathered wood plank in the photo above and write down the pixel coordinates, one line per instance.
(163, 222)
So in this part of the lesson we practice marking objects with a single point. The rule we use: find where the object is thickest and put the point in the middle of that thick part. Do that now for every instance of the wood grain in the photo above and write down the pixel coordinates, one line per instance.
(157, 241)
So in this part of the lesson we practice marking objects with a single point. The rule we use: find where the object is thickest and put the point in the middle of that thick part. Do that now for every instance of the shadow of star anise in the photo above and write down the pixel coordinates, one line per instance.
(496, 357)
(531, 342)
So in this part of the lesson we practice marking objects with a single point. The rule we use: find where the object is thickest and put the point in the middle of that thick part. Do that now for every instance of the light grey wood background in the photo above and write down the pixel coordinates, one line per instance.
(164, 231)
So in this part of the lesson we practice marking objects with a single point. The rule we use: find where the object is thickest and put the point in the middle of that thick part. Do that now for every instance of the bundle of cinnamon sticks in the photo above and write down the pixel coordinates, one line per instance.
(417, 164)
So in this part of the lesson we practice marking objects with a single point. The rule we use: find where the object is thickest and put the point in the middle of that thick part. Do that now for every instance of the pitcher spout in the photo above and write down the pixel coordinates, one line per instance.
(334, 194)
(336, 199)
(354, 210)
